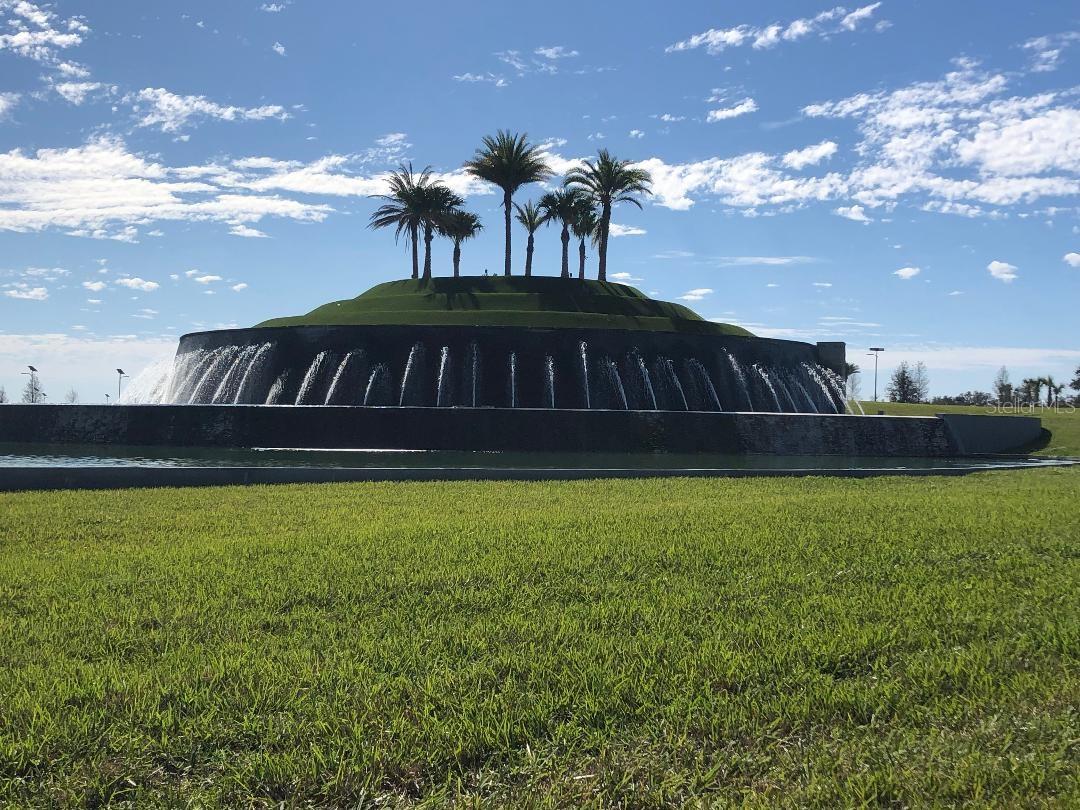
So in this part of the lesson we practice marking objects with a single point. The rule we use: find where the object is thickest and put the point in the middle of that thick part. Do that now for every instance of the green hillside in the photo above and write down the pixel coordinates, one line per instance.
(501, 301)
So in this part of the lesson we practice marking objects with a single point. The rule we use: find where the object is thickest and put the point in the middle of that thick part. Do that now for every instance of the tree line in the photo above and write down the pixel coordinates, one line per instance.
(419, 207)
(911, 383)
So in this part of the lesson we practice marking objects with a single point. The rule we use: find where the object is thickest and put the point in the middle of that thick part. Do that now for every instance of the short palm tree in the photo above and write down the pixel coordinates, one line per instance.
(608, 181)
(562, 206)
(532, 217)
(437, 204)
(508, 161)
(584, 226)
(403, 209)
(459, 226)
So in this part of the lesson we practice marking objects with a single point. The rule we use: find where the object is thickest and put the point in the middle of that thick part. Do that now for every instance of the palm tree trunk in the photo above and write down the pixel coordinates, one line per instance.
(605, 220)
(457, 259)
(427, 251)
(581, 259)
(507, 202)
(528, 256)
(565, 250)
(414, 238)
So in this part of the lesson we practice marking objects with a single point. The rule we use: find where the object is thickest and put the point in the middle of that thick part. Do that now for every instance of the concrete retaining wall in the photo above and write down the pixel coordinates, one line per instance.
(512, 429)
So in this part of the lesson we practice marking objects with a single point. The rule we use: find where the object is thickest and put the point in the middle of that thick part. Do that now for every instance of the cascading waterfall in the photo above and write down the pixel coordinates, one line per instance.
(740, 378)
(208, 382)
(307, 393)
(585, 373)
(616, 381)
(474, 374)
(549, 381)
(810, 404)
(768, 384)
(413, 354)
(782, 388)
(673, 381)
(705, 381)
(245, 391)
(838, 386)
(646, 381)
(273, 396)
(371, 391)
(193, 369)
(812, 373)
(230, 382)
(441, 397)
(337, 392)
(148, 386)
(513, 380)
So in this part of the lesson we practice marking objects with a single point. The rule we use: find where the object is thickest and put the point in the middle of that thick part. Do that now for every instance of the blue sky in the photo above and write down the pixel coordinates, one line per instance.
(902, 174)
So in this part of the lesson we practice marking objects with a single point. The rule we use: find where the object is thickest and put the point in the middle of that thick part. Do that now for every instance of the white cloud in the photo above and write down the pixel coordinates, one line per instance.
(37, 33)
(136, 283)
(8, 101)
(669, 118)
(625, 230)
(556, 52)
(1002, 271)
(26, 292)
(191, 273)
(245, 231)
(625, 277)
(239, 287)
(907, 273)
(76, 92)
(94, 286)
(747, 105)
(394, 140)
(491, 78)
(1071, 259)
(695, 295)
(1016, 146)
(810, 156)
(158, 107)
(207, 279)
(822, 284)
(272, 8)
(278, 48)
(853, 212)
(831, 21)
(636, 133)
(1046, 52)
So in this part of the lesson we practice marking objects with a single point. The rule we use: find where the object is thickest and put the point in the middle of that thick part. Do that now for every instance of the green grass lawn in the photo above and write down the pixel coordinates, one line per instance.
(890, 641)
(537, 301)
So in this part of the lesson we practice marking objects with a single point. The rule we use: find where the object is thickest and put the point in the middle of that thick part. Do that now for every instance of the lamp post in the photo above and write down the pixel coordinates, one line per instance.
(876, 351)
(32, 374)
(107, 399)
(119, 380)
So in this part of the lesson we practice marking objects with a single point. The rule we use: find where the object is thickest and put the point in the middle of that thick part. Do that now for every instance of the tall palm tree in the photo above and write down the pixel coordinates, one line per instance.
(584, 226)
(562, 206)
(532, 217)
(403, 208)
(508, 161)
(437, 203)
(609, 181)
(459, 226)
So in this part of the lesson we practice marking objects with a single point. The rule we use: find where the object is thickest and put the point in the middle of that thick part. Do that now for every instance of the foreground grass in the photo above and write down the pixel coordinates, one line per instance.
(812, 641)
(1063, 423)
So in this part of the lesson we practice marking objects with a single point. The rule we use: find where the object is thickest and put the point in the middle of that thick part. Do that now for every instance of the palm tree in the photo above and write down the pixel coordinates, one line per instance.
(403, 208)
(584, 226)
(609, 181)
(1053, 389)
(508, 161)
(532, 217)
(562, 206)
(437, 203)
(459, 226)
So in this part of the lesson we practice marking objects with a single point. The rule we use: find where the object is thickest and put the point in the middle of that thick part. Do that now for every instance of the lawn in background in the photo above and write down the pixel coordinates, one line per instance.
(802, 641)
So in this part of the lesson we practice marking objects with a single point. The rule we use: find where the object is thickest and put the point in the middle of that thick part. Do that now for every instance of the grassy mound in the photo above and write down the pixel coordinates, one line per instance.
(501, 301)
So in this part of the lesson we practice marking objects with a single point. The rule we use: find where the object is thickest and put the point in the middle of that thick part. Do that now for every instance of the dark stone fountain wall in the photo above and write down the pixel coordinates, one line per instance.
(686, 371)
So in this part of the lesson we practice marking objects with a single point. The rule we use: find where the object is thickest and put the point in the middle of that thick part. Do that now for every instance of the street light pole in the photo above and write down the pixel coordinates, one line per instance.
(32, 374)
(876, 350)
(119, 380)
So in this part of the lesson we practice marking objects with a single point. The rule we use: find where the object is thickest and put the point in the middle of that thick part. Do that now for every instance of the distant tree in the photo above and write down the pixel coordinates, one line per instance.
(532, 218)
(1003, 390)
(608, 181)
(438, 203)
(1053, 389)
(852, 381)
(3, 396)
(1075, 384)
(33, 394)
(584, 226)
(71, 397)
(508, 161)
(459, 226)
(902, 386)
(562, 206)
(966, 398)
(1030, 390)
(922, 382)
(404, 208)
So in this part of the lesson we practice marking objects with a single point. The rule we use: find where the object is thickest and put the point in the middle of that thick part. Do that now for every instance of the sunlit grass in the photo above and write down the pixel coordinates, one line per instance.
(892, 641)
